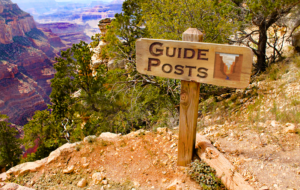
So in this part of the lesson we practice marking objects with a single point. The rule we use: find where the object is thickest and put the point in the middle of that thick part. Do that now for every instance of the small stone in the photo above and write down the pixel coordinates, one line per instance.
(173, 145)
(136, 184)
(32, 182)
(169, 136)
(83, 160)
(82, 183)
(274, 123)
(98, 177)
(70, 169)
(264, 188)
(173, 185)
(164, 180)
(162, 130)
(85, 165)
(290, 128)
(104, 182)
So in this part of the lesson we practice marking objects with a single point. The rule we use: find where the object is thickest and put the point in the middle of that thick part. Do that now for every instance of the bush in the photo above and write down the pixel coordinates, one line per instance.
(205, 176)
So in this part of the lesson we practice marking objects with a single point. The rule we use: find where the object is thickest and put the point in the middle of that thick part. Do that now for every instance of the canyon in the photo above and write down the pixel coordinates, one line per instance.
(28, 48)
(83, 17)
(26, 63)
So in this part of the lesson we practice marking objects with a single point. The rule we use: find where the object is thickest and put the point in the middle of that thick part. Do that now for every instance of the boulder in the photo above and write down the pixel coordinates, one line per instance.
(26, 167)
(68, 147)
(3, 176)
(108, 135)
(296, 41)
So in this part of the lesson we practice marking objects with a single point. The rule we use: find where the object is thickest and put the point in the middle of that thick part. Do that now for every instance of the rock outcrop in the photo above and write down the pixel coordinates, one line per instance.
(14, 22)
(26, 63)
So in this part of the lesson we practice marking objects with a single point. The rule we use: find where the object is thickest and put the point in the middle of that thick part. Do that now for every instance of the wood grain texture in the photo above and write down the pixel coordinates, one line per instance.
(189, 100)
(224, 169)
(192, 35)
(171, 53)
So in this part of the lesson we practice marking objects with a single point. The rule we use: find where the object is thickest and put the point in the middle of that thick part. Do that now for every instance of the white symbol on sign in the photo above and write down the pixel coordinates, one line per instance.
(228, 59)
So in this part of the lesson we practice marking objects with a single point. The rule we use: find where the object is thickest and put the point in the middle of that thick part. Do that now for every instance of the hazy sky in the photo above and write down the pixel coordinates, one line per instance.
(82, 1)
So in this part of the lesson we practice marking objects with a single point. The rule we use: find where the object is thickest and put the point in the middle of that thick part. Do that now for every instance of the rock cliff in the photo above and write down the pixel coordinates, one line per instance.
(69, 32)
(26, 63)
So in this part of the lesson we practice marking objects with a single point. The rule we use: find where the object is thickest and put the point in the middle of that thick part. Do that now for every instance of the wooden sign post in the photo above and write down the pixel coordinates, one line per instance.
(193, 62)
(189, 101)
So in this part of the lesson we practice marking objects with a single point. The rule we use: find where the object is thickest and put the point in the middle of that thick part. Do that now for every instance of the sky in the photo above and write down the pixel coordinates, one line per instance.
(81, 1)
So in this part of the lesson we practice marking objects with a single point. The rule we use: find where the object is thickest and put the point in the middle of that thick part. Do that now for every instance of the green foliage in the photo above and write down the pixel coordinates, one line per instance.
(96, 39)
(10, 150)
(168, 19)
(74, 74)
(259, 16)
(44, 131)
(205, 176)
(124, 30)
(266, 9)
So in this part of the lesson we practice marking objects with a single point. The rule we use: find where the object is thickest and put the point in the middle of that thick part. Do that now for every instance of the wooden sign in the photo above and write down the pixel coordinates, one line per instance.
(193, 62)
(217, 64)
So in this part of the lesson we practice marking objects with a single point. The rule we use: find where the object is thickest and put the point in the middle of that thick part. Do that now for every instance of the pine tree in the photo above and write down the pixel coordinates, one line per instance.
(10, 146)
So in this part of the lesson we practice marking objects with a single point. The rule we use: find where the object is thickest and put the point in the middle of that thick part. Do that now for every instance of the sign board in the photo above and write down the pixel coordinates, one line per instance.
(217, 64)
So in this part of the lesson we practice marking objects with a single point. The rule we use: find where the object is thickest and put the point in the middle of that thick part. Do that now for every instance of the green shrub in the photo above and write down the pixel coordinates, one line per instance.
(205, 176)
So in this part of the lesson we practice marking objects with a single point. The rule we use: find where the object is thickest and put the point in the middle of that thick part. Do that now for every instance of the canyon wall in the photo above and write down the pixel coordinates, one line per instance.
(69, 32)
(26, 63)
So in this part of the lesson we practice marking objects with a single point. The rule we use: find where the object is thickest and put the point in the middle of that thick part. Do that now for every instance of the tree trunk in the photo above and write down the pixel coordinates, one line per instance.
(261, 50)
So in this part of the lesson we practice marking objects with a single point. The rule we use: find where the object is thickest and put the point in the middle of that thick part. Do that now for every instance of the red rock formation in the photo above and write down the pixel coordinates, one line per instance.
(69, 32)
(26, 63)
(16, 23)
(20, 97)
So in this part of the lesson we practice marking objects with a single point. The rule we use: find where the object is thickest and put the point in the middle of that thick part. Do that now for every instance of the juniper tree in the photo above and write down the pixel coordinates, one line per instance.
(10, 145)
(259, 16)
